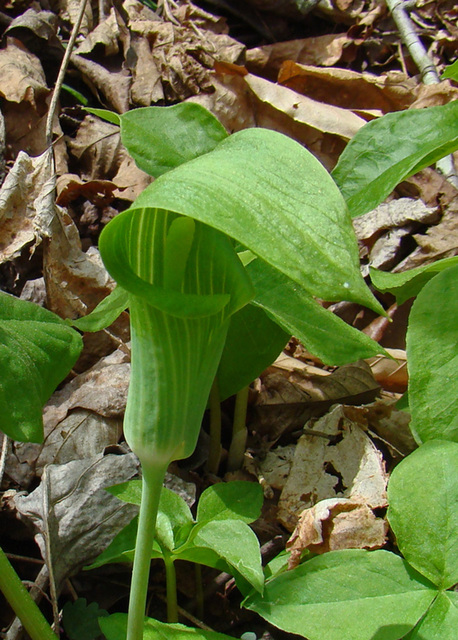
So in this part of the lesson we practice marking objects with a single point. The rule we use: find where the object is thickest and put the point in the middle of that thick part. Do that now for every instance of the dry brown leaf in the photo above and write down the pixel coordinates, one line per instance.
(97, 146)
(130, 181)
(322, 117)
(110, 86)
(146, 86)
(106, 35)
(287, 400)
(323, 51)
(26, 204)
(74, 516)
(390, 374)
(70, 187)
(350, 89)
(69, 11)
(333, 524)
(339, 461)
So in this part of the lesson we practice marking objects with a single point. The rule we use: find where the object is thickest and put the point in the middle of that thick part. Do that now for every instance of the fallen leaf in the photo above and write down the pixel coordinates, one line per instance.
(75, 518)
(333, 524)
(340, 461)
(26, 204)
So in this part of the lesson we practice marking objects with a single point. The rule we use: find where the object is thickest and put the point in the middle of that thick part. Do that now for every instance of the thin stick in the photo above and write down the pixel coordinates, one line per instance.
(62, 72)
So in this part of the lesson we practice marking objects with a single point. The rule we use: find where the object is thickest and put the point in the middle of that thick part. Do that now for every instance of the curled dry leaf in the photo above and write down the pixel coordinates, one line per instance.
(333, 524)
(339, 461)
(75, 518)
(26, 204)
(350, 89)
(323, 51)
(287, 400)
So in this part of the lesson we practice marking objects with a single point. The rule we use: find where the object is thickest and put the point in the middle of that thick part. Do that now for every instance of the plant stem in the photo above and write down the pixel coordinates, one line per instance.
(239, 433)
(214, 455)
(153, 477)
(22, 604)
(171, 582)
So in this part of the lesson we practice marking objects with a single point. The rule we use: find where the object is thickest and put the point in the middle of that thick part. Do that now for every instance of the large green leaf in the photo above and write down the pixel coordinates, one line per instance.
(432, 358)
(37, 351)
(162, 138)
(423, 511)
(253, 342)
(236, 500)
(323, 333)
(387, 150)
(114, 627)
(441, 621)
(276, 199)
(231, 540)
(346, 595)
(408, 284)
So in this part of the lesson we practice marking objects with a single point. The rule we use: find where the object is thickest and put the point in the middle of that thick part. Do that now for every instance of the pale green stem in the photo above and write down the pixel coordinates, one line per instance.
(171, 582)
(214, 455)
(239, 432)
(22, 604)
(153, 477)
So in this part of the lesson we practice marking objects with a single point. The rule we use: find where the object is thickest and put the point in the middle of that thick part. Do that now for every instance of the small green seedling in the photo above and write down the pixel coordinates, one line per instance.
(218, 537)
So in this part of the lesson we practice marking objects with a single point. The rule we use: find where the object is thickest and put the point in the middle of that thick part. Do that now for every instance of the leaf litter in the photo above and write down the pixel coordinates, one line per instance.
(319, 441)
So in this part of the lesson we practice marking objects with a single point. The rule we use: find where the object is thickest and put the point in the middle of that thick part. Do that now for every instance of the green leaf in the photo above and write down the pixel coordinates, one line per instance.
(231, 540)
(253, 342)
(271, 195)
(80, 619)
(130, 491)
(104, 114)
(408, 284)
(451, 71)
(432, 359)
(346, 595)
(37, 351)
(391, 148)
(238, 500)
(105, 312)
(121, 549)
(441, 621)
(323, 333)
(162, 138)
(423, 510)
(115, 628)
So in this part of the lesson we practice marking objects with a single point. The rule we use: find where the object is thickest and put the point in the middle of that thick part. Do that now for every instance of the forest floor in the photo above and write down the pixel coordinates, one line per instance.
(316, 78)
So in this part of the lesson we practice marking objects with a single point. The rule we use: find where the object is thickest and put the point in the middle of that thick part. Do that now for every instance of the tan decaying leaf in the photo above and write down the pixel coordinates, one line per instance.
(302, 109)
(350, 89)
(106, 34)
(391, 373)
(21, 75)
(286, 400)
(70, 187)
(129, 180)
(339, 461)
(76, 281)
(42, 24)
(392, 215)
(112, 86)
(26, 204)
(333, 524)
(97, 146)
(69, 11)
(74, 517)
(323, 51)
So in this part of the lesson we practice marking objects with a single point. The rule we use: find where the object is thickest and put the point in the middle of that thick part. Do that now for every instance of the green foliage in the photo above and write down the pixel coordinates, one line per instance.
(37, 350)
(451, 71)
(219, 537)
(433, 359)
(80, 620)
(391, 148)
(425, 517)
(114, 628)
